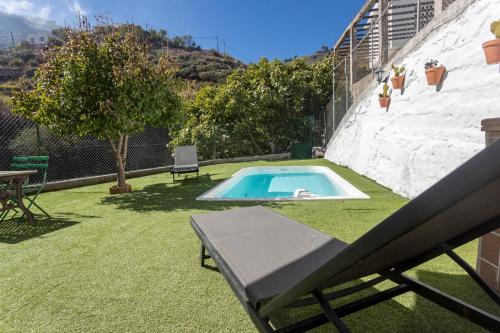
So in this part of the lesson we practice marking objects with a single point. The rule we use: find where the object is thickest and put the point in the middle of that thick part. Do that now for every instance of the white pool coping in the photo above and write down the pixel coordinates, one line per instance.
(351, 191)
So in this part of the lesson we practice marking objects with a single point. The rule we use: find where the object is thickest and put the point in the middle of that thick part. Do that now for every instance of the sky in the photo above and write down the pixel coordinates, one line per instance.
(249, 29)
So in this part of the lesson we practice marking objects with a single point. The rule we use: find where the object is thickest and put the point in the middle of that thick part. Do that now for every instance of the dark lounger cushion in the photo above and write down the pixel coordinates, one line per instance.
(265, 251)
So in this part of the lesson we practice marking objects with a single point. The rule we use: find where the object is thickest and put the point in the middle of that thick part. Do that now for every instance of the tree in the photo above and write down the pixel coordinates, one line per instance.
(183, 42)
(262, 109)
(101, 83)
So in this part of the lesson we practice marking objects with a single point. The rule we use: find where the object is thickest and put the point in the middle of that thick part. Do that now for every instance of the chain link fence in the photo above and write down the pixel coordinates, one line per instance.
(426, 13)
(342, 92)
(308, 130)
(74, 157)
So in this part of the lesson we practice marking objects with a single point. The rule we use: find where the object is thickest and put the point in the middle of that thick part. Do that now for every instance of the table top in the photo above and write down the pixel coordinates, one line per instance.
(11, 174)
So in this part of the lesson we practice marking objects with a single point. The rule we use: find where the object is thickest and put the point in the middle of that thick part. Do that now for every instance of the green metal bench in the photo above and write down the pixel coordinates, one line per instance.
(33, 185)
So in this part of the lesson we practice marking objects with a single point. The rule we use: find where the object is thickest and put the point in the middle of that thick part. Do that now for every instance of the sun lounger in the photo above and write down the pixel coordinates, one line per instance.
(186, 161)
(272, 262)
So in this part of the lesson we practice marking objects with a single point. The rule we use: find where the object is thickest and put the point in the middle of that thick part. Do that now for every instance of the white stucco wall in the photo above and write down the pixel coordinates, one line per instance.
(426, 134)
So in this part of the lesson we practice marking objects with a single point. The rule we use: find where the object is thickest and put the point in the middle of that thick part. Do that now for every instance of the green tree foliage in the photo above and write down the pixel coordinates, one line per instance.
(260, 110)
(183, 42)
(101, 84)
(58, 37)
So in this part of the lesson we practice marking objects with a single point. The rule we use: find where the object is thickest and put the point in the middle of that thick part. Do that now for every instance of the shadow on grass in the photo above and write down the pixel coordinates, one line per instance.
(363, 209)
(392, 316)
(13, 232)
(461, 286)
(168, 197)
(77, 215)
(388, 316)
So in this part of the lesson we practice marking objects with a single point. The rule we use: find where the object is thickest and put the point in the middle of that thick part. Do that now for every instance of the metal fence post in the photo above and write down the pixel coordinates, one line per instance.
(346, 86)
(333, 104)
(38, 139)
(352, 55)
(418, 16)
(383, 32)
(371, 50)
(438, 7)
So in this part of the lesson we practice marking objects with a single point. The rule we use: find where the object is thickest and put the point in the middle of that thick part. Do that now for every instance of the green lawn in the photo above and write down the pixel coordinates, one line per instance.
(129, 263)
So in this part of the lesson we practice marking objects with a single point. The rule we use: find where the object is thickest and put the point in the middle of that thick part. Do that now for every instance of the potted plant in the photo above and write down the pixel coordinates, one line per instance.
(434, 73)
(398, 79)
(115, 189)
(492, 48)
(384, 98)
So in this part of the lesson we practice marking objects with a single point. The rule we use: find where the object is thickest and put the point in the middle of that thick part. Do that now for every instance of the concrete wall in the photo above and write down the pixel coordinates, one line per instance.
(427, 132)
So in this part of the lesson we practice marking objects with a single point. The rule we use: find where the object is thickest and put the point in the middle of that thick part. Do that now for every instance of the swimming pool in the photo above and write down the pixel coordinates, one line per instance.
(283, 183)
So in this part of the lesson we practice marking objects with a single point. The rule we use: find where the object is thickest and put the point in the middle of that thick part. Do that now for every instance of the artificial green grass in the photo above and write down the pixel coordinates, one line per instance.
(129, 263)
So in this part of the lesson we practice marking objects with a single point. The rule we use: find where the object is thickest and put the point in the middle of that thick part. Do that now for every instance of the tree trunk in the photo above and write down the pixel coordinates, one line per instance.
(253, 141)
(273, 147)
(120, 147)
(122, 182)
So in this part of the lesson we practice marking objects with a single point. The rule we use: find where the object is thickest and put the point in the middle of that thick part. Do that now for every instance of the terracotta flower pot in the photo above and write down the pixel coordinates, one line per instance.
(119, 190)
(492, 51)
(435, 75)
(398, 81)
(384, 101)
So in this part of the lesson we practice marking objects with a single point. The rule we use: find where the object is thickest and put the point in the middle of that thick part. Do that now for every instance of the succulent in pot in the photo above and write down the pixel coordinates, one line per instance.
(434, 73)
(399, 77)
(492, 48)
(384, 98)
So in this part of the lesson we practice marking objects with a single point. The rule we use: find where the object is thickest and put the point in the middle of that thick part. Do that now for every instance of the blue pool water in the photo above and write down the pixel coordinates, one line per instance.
(284, 183)
(281, 185)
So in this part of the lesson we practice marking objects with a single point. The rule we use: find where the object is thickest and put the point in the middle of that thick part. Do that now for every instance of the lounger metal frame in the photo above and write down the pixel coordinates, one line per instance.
(260, 314)
(179, 172)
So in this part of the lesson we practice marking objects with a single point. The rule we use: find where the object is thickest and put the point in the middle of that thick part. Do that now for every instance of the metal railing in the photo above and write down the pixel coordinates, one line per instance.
(380, 29)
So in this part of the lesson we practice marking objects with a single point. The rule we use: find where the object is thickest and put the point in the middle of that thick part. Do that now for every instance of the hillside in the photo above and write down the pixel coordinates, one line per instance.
(15, 63)
(203, 65)
(195, 64)
(319, 55)
(20, 26)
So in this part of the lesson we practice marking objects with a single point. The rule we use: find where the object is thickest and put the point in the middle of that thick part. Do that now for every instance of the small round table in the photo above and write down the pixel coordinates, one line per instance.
(16, 180)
